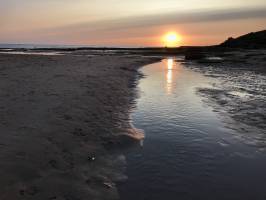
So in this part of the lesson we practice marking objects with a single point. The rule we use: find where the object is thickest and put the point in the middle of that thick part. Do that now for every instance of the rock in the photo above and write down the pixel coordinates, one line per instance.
(248, 41)
(194, 54)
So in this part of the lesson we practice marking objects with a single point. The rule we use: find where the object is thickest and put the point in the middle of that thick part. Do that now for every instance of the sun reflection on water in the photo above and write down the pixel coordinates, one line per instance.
(169, 75)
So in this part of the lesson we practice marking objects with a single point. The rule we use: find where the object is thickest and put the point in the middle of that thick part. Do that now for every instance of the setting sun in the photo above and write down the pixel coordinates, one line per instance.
(171, 39)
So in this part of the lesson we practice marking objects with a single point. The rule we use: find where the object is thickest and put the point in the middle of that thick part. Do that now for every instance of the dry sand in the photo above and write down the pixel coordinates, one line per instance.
(61, 119)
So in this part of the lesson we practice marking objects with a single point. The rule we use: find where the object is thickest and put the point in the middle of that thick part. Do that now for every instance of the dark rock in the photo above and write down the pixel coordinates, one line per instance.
(194, 54)
(248, 41)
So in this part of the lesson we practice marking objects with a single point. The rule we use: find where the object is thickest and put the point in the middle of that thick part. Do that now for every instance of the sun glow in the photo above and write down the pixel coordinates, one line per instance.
(171, 39)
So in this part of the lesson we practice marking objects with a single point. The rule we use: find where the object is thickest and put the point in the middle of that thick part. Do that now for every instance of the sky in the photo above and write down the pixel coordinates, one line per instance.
(135, 23)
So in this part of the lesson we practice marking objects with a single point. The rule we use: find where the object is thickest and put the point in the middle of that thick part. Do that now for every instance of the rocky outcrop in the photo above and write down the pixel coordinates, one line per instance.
(250, 41)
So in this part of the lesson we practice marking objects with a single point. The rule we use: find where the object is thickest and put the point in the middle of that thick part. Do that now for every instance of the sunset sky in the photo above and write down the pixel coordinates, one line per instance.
(127, 22)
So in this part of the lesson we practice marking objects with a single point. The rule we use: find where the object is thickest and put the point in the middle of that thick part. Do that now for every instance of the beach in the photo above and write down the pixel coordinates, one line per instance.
(132, 100)
(68, 117)
(62, 119)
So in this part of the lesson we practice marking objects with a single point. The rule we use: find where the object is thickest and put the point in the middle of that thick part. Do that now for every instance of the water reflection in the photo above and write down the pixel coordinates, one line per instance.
(169, 75)
(188, 151)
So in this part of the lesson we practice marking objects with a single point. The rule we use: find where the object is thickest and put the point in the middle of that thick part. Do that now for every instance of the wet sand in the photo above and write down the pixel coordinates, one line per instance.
(61, 119)
(238, 92)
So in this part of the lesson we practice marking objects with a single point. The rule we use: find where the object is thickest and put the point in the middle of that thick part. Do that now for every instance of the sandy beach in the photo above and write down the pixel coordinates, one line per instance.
(62, 117)
(132, 100)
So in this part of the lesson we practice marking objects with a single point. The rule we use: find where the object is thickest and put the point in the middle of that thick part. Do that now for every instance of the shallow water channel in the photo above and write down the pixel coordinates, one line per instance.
(188, 153)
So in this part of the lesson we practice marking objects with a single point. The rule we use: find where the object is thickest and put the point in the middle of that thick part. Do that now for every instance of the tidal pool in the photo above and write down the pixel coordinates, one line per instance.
(188, 153)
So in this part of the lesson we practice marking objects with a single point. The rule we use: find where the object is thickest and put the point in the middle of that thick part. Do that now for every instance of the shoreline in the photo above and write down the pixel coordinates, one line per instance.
(239, 95)
(61, 117)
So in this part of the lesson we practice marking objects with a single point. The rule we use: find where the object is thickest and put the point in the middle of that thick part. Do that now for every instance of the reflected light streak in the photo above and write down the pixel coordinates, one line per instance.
(169, 75)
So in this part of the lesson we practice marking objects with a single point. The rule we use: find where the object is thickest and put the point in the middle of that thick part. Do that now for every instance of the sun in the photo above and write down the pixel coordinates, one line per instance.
(171, 39)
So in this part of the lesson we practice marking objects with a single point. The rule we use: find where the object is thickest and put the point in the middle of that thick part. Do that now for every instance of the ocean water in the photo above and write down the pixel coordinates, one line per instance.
(188, 152)
(52, 46)
(35, 46)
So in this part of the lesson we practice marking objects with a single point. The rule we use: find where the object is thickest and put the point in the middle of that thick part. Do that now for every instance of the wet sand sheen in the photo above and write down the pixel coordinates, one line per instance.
(61, 116)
